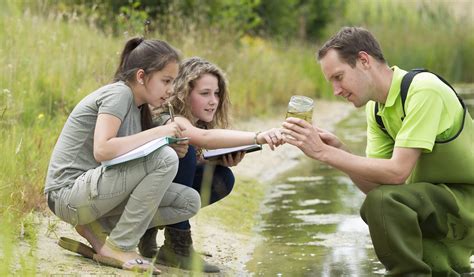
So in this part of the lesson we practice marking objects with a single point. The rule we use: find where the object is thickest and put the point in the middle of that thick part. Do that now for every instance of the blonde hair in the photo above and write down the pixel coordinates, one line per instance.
(189, 71)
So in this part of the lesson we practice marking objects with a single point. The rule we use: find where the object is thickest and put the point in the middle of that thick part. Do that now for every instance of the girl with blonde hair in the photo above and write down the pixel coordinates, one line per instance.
(201, 103)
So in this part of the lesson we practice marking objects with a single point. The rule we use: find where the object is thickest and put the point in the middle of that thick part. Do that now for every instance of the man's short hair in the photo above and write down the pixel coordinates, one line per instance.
(349, 41)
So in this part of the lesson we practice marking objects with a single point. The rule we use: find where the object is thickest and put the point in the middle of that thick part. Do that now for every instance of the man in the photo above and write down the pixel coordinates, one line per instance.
(418, 173)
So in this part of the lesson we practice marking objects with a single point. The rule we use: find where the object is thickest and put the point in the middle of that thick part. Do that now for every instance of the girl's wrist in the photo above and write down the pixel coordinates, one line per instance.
(255, 138)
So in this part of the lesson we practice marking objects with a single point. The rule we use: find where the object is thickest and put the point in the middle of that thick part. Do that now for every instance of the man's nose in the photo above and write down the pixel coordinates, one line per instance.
(337, 89)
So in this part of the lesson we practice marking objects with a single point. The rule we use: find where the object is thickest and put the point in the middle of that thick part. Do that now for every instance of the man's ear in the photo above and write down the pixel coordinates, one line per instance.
(364, 59)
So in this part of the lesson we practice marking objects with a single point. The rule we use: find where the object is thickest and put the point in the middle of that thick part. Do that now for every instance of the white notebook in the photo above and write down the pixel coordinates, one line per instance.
(143, 150)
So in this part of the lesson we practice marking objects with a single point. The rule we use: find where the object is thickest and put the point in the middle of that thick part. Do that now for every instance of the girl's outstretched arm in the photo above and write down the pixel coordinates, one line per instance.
(221, 138)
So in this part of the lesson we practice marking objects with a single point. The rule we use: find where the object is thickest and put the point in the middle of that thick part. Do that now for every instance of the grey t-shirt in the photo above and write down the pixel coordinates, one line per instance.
(74, 153)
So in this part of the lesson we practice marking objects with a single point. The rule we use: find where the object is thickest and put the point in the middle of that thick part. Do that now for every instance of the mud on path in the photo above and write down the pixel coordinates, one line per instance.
(229, 250)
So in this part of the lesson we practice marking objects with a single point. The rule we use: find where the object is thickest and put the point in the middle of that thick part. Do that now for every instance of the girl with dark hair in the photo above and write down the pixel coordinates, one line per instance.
(112, 207)
(201, 102)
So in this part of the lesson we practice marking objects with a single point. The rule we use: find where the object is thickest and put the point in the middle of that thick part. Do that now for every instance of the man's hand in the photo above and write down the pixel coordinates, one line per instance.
(330, 139)
(303, 135)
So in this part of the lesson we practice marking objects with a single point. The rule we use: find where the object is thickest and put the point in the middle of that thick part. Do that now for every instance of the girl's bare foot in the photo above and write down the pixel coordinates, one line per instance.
(130, 260)
(93, 233)
(122, 256)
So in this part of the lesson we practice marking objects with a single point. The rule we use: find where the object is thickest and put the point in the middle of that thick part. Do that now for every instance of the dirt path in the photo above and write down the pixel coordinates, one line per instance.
(230, 250)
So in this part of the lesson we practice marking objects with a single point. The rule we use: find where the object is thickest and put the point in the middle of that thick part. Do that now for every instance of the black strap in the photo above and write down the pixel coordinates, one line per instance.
(378, 118)
(404, 86)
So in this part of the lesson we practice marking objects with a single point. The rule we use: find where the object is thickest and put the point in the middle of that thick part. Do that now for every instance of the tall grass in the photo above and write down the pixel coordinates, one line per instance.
(262, 74)
(47, 65)
(437, 35)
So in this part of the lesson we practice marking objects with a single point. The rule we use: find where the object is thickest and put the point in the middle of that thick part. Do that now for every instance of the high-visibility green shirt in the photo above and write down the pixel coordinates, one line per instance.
(432, 113)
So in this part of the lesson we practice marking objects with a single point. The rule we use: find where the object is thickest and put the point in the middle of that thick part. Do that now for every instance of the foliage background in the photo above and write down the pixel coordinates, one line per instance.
(53, 53)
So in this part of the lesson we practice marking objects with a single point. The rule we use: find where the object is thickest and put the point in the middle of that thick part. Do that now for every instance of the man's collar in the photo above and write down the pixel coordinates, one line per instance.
(394, 90)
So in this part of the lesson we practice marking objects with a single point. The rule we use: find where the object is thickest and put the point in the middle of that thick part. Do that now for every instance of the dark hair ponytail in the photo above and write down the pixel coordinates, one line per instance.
(129, 47)
(146, 54)
(146, 117)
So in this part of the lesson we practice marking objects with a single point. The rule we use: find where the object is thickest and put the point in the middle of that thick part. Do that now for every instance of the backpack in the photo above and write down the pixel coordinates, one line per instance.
(406, 81)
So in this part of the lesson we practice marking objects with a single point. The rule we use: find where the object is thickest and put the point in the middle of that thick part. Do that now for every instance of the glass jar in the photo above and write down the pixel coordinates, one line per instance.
(300, 107)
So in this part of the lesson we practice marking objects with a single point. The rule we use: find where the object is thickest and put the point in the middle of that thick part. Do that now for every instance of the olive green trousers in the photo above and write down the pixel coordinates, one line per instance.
(422, 229)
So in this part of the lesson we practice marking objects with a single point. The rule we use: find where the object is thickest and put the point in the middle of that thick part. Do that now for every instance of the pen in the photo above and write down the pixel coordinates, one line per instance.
(170, 108)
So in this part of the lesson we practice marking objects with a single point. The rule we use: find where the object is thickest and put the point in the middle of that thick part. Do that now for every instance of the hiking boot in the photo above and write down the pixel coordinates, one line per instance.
(147, 246)
(177, 251)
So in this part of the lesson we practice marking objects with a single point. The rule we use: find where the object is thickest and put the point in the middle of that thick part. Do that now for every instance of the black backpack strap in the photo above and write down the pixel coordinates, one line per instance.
(406, 81)
(378, 118)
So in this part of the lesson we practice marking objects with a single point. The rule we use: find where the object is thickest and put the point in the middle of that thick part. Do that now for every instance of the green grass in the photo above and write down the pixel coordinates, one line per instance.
(47, 65)
(244, 202)
(438, 35)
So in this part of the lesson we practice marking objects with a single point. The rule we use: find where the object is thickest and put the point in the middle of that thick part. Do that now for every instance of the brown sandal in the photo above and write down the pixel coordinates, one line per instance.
(76, 247)
(138, 265)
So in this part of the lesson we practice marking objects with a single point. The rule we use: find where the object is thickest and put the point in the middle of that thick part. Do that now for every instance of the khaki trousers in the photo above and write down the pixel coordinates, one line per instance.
(127, 199)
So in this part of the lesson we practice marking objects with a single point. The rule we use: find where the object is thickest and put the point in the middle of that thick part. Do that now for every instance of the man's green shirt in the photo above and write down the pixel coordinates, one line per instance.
(432, 113)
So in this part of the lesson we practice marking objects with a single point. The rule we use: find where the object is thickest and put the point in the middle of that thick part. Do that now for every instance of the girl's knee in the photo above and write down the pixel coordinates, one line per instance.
(229, 186)
(163, 157)
(222, 184)
(227, 180)
(169, 156)
(194, 200)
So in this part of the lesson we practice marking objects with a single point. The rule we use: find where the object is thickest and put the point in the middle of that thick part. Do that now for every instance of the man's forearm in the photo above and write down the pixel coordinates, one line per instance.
(374, 171)
(364, 185)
